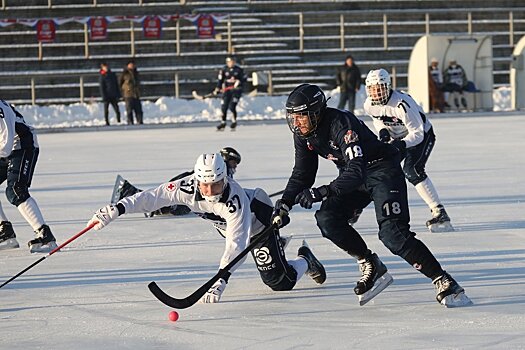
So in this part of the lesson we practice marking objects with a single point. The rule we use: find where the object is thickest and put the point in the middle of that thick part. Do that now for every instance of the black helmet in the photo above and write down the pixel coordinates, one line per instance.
(229, 153)
(308, 101)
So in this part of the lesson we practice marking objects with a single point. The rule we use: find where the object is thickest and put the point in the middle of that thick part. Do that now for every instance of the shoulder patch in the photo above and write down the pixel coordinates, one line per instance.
(351, 137)
(170, 187)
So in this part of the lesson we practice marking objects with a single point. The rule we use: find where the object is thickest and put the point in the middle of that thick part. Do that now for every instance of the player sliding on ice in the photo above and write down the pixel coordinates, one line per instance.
(369, 170)
(238, 213)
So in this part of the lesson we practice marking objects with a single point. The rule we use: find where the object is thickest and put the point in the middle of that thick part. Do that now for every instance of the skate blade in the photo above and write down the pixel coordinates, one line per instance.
(42, 248)
(456, 300)
(444, 227)
(10, 243)
(380, 285)
(285, 240)
(115, 196)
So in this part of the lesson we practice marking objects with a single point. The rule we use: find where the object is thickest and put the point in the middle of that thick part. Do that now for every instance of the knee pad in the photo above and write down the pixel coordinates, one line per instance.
(414, 176)
(394, 235)
(17, 193)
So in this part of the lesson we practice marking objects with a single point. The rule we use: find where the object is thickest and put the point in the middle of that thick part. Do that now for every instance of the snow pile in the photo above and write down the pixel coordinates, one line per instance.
(173, 110)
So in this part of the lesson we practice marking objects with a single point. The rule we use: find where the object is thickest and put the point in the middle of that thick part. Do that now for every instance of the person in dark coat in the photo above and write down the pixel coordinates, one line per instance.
(109, 90)
(130, 86)
(349, 82)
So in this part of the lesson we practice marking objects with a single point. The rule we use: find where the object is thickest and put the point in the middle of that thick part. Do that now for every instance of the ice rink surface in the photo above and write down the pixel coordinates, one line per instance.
(94, 293)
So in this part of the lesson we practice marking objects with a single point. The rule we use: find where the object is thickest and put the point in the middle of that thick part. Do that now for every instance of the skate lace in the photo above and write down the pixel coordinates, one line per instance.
(444, 282)
(367, 270)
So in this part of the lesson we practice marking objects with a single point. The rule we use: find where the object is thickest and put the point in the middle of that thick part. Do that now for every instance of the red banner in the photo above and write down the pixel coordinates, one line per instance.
(152, 27)
(205, 26)
(45, 30)
(98, 28)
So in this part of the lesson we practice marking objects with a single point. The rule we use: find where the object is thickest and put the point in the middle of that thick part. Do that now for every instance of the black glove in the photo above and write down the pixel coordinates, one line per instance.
(312, 195)
(400, 145)
(384, 135)
(280, 214)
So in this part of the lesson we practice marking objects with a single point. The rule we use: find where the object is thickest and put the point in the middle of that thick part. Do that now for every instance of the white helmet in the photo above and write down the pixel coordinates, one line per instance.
(211, 168)
(378, 86)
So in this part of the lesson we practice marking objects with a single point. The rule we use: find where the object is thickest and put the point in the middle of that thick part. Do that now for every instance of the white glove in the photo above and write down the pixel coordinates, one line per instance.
(213, 295)
(236, 84)
(104, 216)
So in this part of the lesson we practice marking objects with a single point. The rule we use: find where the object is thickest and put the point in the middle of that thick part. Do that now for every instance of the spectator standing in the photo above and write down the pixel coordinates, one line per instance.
(455, 82)
(349, 81)
(230, 82)
(435, 82)
(130, 87)
(109, 90)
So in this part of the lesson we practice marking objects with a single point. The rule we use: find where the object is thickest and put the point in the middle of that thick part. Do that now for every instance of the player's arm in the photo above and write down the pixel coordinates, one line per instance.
(7, 129)
(407, 111)
(352, 174)
(303, 173)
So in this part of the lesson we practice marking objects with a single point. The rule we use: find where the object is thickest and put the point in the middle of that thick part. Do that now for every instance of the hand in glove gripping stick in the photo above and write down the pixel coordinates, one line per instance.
(309, 196)
(280, 213)
(213, 295)
(104, 216)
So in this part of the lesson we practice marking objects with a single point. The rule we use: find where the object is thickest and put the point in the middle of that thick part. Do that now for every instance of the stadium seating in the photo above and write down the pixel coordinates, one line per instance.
(295, 40)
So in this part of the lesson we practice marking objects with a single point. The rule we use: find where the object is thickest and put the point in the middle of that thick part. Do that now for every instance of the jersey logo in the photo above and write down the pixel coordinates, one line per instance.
(350, 137)
(262, 256)
(171, 187)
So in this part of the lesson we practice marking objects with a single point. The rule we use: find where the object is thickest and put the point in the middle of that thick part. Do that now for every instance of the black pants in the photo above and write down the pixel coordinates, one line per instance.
(347, 96)
(416, 158)
(230, 99)
(386, 187)
(18, 170)
(268, 254)
(133, 105)
(114, 103)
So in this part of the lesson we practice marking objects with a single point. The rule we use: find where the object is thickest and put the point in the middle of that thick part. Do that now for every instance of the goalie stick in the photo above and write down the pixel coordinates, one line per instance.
(195, 296)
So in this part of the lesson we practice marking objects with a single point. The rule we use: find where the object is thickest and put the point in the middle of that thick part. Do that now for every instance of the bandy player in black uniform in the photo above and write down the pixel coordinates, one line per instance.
(230, 81)
(399, 120)
(369, 170)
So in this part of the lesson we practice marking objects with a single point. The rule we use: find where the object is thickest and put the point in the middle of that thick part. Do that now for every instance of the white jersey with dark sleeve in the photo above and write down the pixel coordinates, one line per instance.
(14, 132)
(401, 116)
(231, 214)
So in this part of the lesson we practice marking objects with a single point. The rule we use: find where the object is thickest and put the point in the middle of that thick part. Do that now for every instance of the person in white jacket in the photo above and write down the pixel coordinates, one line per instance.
(18, 156)
(400, 120)
(237, 213)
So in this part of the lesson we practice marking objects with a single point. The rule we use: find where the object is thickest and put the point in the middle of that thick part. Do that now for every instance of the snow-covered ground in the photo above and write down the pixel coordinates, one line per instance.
(172, 110)
(94, 293)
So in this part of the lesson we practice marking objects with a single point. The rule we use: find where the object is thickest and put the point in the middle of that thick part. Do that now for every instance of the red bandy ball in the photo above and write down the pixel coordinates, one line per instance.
(173, 316)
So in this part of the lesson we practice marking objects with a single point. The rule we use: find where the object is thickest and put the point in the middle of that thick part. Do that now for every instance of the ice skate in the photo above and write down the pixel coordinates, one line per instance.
(440, 221)
(375, 278)
(285, 240)
(44, 241)
(315, 269)
(449, 293)
(221, 126)
(233, 126)
(123, 188)
(7, 236)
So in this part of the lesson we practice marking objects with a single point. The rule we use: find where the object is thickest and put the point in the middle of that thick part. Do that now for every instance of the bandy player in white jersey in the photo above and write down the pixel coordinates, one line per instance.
(399, 120)
(237, 213)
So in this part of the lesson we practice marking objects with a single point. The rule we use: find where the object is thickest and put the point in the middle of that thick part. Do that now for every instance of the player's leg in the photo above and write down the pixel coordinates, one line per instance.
(233, 108)
(7, 234)
(414, 169)
(389, 193)
(332, 219)
(226, 98)
(277, 272)
(19, 175)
